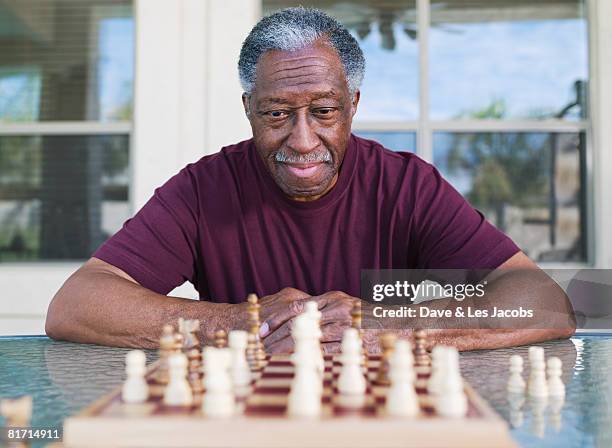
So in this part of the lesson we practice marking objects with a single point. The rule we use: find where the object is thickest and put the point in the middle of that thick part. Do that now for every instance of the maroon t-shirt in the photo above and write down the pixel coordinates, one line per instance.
(223, 224)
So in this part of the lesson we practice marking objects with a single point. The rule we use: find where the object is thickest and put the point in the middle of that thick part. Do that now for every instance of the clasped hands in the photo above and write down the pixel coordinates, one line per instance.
(278, 311)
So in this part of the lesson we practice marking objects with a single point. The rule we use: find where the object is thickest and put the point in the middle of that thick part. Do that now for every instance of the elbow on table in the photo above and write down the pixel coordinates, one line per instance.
(55, 322)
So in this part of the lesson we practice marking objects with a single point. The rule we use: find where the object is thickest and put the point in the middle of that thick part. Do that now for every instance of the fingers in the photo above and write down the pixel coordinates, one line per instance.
(334, 331)
(280, 333)
(284, 345)
(276, 309)
(331, 348)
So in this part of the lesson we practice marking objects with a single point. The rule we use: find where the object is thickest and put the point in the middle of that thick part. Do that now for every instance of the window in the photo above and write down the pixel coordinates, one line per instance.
(66, 74)
(493, 92)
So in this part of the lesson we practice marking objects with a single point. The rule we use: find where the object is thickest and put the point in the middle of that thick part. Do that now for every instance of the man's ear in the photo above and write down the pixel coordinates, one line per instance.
(355, 102)
(246, 105)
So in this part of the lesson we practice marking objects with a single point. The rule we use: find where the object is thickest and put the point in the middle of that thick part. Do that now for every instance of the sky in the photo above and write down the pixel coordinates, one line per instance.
(532, 65)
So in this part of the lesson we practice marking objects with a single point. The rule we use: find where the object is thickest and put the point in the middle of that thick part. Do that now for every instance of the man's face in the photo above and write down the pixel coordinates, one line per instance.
(301, 111)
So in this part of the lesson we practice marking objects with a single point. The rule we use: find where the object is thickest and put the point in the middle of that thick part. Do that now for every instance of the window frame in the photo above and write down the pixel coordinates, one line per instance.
(425, 127)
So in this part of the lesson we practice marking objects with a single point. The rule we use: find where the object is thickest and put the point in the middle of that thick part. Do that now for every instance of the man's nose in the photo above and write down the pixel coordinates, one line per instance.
(303, 139)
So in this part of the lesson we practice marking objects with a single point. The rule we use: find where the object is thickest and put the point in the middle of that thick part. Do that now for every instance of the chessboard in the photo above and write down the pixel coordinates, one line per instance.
(262, 421)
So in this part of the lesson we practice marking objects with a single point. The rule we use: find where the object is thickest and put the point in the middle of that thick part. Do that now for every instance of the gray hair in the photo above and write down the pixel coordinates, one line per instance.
(296, 28)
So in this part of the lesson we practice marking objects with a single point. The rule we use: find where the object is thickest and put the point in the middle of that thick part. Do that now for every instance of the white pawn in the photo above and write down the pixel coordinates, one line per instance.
(305, 395)
(537, 386)
(451, 400)
(351, 380)
(135, 388)
(437, 369)
(402, 400)
(538, 407)
(219, 400)
(178, 390)
(556, 388)
(240, 371)
(516, 401)
(516, 383)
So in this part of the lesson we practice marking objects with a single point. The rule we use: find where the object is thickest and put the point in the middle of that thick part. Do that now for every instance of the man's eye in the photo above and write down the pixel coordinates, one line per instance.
(325, 112)
(277, 114)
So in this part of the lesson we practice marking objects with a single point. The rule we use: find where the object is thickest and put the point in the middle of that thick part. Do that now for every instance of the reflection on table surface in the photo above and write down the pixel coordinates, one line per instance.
(65, 377)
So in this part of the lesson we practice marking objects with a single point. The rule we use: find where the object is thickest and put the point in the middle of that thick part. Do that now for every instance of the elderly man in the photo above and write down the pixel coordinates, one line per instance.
(294, 214)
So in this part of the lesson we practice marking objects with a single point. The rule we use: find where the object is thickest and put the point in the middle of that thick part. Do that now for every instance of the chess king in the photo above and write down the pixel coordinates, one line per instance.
(294, 214)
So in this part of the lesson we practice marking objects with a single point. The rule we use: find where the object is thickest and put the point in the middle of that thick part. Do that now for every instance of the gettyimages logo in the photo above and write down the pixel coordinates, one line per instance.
(426, 290)
(464, 299)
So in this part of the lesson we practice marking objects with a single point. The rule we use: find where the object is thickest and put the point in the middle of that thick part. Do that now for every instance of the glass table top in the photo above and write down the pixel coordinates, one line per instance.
(64, 377)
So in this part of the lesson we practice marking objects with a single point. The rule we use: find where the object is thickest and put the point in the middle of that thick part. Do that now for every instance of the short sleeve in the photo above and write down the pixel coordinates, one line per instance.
(157, 247)
(451, 234)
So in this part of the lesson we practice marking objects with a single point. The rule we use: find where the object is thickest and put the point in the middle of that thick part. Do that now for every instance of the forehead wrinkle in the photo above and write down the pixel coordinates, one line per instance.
(313, 97)
(299, 67)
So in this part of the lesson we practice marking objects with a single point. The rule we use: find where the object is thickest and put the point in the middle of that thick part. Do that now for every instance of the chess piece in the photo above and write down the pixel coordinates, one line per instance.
(189, 329)
(356, 321)
(516, 383)
(194, 373)
(178, 343)
(240, 371)
(259, 355)
(135, 388)
(178, 392)
(387, 342)
(537, 385)
(220, 339)
(219, 400)
(555, 417)
(305, 395)
(556, 388)
(538, 406)
(438, 368)
(17, 411)
(251, 350)
(450, 400)
(516, 402)
(421, 356)
(351, 380)
(402, 400)
(306, 334)
(166, 348)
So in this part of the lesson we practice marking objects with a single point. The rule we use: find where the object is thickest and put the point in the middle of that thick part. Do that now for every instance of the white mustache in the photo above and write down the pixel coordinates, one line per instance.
(312, 157)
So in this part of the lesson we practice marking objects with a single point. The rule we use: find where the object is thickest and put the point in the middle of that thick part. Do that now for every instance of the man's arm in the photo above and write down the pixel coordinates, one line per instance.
(517, 282)
(101, 304)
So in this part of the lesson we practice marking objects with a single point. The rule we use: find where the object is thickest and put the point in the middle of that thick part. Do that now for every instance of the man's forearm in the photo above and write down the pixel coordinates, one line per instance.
(100, 307)
(531, 289)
